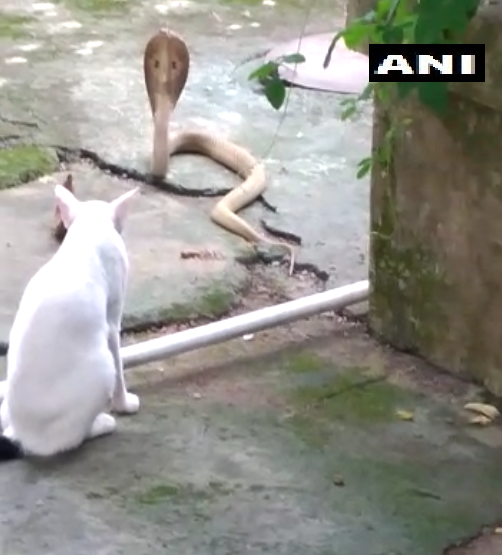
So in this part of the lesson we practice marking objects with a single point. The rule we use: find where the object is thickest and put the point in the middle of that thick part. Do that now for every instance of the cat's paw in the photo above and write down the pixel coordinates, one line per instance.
(103, 424)
(129, 404)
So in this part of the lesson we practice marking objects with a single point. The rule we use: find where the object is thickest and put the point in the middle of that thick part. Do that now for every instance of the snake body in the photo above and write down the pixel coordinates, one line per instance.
(166, 65)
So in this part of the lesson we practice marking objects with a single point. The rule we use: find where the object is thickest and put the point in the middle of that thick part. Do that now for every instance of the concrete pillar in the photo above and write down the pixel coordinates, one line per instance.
(436, 223)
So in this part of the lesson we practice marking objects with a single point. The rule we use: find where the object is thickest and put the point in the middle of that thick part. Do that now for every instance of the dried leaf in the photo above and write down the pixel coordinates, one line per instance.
(483, 409)
(405, 415)
(338, 481)
(201, 254)
(480, 420)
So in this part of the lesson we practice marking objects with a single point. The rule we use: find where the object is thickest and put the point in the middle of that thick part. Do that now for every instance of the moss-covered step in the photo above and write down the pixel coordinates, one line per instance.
(100, 6)
(20, 164)
(14, 26)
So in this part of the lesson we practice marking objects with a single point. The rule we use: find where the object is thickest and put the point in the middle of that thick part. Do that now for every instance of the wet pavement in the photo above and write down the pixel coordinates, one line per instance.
(76, 73)
(291, 443)
(275, 445)
(163, 286)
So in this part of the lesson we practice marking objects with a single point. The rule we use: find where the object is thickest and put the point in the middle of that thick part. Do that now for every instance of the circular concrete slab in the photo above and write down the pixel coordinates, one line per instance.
(346, 73)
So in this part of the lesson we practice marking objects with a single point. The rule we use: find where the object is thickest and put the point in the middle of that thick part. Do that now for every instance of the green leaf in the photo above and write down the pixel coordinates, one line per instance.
(392, 35)
(367, 92)
(364, 167)
(264, 71)
(291, 59)
(349, 112)
(407, 25)
(382, 8)
(351, 105)
(360, 29)
(404, 88)
(357, 33)
(391, 14)
(347, 100)
(368, 17)
(275, 92)
(387, 10)
(434, 96)
(428, 30)
(384, 92)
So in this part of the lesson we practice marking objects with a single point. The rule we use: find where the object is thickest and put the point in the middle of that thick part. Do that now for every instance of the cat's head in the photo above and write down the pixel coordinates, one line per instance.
(70, 208)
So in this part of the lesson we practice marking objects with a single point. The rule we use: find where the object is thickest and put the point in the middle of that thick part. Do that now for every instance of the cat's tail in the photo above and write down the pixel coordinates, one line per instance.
(10, 450)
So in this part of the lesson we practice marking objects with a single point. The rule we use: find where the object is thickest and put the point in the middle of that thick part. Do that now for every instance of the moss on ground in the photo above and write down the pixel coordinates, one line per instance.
(304, 362)
(281, 3)
(21, 164)
(351, 395)
(421, 499)
(100, 6)
(13, 26)
(181, 493)
(348, 418)
(214, 301)
(406, 487)
(323, 394)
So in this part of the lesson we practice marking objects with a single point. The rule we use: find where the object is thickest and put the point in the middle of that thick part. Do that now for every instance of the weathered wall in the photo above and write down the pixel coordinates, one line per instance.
(436, 224)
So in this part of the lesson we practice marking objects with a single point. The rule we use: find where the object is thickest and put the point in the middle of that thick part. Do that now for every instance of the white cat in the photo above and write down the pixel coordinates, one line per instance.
(63, 363)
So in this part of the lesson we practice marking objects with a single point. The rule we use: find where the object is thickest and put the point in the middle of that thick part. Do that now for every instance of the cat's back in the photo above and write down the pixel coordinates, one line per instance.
(63, 284)
(68, 295)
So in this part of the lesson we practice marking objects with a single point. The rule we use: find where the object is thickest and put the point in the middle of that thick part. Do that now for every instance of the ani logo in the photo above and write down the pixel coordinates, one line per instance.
(427, 62)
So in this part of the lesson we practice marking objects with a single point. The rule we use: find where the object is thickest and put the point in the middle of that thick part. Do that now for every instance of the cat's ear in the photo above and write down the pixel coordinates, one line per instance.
(66, 205)
(120, 207)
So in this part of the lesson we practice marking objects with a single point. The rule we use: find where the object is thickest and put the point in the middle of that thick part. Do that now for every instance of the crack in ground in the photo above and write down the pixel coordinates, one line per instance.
(280, 234)
(268, 259)
(7, 141)
(248, 261)
(155, 324)
(73, 154)
(200, 319)
(68, 154)
(469, 543)
(20, 123)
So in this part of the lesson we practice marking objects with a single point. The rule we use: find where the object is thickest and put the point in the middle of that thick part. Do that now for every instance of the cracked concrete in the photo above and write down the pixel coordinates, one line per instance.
(157, 233)
(166, 283)
(289, 443)
(84, 74)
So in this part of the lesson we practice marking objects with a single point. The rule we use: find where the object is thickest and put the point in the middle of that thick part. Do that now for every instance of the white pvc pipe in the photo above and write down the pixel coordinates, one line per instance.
(224, 330)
